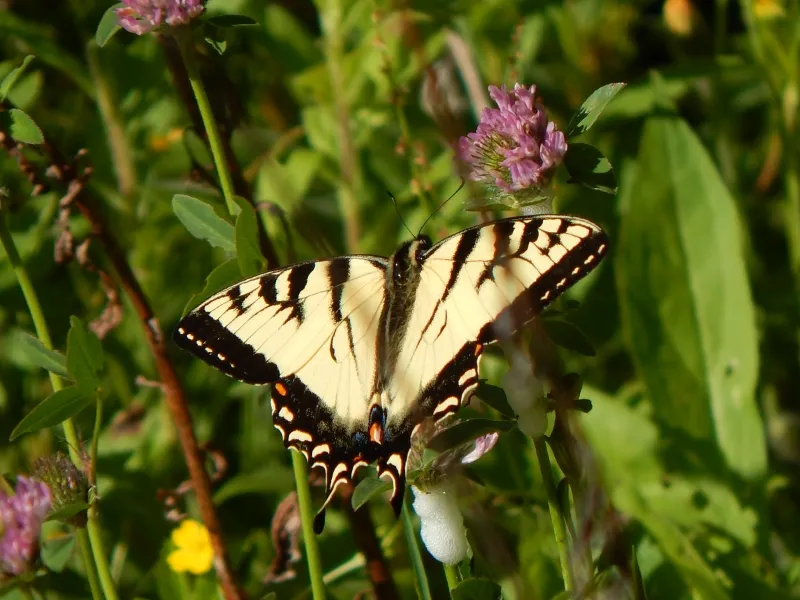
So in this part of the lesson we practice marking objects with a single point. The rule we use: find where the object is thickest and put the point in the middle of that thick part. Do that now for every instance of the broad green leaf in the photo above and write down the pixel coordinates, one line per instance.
(84, 356)
(107, 27)
(275, 478)
(366, 489)
(496, 398)
(477, 589)
(467, 431)
(626, 443)
(222, 276)
(685, 298)
(232, 21)
(33, 351)
(23, 128)
(591, 108)
(10, 79)
(203, 223)
(53, 410)
(57, 550)
(248, 249)
(568, 335)
(587, 166)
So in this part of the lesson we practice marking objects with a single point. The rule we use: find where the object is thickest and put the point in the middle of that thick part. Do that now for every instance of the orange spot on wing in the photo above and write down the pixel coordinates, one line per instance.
(280, 388)
(478, 349)
(376, 433)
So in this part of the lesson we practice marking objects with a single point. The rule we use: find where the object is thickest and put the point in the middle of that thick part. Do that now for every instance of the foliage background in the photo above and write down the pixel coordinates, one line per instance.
(693, 316)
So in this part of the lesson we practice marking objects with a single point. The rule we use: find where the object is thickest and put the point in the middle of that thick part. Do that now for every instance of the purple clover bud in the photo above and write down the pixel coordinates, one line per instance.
(515, 149)
(21, 518)
(143, 16)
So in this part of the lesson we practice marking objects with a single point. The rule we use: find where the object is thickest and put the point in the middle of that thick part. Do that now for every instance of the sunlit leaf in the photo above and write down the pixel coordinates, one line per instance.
(10, 79)
(23, 128)
(33, 351)
(84, 356)
(53, 410)
(591, 109)
(203, 223)
(107, 27)
(368, 488)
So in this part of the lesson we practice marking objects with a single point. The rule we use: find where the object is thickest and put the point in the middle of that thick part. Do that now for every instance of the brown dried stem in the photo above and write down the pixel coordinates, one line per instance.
(77, 195)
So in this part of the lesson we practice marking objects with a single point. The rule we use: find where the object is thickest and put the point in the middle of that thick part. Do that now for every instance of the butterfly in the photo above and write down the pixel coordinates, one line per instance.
(361, 349)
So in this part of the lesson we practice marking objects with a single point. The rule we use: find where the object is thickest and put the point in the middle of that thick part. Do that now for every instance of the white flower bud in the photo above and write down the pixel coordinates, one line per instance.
(526, 395)
(442, 525)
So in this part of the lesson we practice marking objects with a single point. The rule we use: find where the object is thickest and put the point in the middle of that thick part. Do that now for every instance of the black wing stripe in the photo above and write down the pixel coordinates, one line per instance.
(338, 274)
(465, 247)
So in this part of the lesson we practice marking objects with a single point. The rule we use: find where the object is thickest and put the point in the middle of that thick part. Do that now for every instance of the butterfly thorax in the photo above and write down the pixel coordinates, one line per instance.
(402, 281)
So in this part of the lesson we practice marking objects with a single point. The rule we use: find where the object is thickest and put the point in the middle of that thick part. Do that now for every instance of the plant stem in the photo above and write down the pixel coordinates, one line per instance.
(183, 37)
(43, 333)
(307, 520)
(452, 576)
(25, 591)
(420, 576)
(559, 528)
(84, 547)
(331, 18)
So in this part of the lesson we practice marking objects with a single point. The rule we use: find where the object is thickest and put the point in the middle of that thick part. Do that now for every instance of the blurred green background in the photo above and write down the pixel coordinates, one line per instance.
(695, 382)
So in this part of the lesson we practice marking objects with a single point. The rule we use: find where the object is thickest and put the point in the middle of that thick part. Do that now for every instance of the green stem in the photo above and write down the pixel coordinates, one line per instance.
(91, 574)
(25, 591)
(559, 527)
(73, 442)
(100, 557)
(420, 576)
(307, 520)
(452, 576)
(183, 37)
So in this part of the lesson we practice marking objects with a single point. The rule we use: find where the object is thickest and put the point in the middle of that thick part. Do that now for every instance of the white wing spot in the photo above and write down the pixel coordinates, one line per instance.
(199, 343)
(286, 414)
(298, 435)
(321, 449)
(272, 405)
(589, 259)
(396, 461)
(576, 270)
(445, 405)
(209, 350)
(281, 430)
(222, 356)
(466, 376)
(546, 295)
(562, 282)
(340, 468)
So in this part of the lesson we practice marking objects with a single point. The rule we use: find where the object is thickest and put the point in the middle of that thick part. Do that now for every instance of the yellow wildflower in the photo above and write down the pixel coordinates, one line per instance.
(194, 553)
(768, 9)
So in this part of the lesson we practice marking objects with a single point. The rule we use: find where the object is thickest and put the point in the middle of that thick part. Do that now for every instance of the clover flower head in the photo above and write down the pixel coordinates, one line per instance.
(21, 518)
(194, 552)
(442, 525)
(515, 148)
(143, 16)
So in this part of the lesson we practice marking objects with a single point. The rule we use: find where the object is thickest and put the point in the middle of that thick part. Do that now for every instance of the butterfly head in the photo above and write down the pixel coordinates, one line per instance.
(408, 259)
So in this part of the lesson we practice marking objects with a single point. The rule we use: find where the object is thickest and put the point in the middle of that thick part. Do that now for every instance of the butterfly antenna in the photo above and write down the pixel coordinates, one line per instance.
(440, 207)
(399, 214)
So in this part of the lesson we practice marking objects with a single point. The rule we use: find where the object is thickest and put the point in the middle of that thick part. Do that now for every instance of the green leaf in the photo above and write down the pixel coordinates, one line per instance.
(591, 108)
(56, 551)
(33, 351)
(467, 431)
(107, 27)
(10, 79)
(248, 249)
(23, 128)
(477, 589)
(84, 356)
(496, 398)
(366, 489)
(587, 165)
(53, 410)
(567, 335)
(222, 276)
(275, 478)
(203, 223)
(231, 21)
(685, 298)
(215, 37)
(67, 512)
